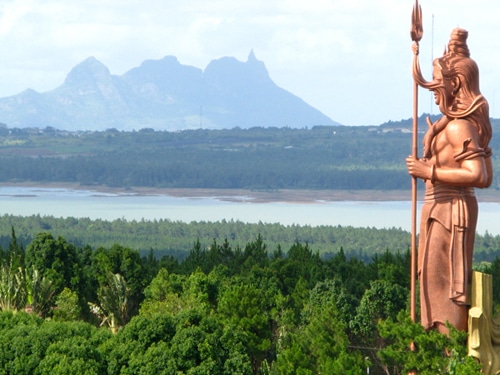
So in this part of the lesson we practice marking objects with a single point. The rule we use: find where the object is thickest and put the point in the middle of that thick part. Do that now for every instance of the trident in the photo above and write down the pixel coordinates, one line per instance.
(416, 33)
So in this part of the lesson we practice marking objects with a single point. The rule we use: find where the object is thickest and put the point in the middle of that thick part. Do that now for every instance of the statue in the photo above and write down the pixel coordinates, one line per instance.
(456, 159)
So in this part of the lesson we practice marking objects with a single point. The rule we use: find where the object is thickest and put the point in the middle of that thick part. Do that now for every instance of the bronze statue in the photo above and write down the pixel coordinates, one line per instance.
(456, 159)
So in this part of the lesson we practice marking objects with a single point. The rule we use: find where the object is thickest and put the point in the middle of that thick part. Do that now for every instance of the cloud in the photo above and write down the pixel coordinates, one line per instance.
(334, 54)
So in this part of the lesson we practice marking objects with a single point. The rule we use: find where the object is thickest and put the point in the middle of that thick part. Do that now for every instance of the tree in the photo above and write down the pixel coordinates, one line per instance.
(495, 272)
(13, 289)
(125, 351)
(12, 286)
(164, 295)
(30, 345)
(320, 344)
(114, 304)
(56, 261)
(200, 291)
(331, 291)
(126, 262)
(40, 293)
(191, 342)
(67, 306)
(16, 251)
(17, 345)
(242, 307)
(255, 253)
(434, 352)
(383, 300)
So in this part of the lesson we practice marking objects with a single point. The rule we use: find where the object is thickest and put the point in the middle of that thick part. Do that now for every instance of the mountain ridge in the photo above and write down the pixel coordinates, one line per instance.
(162, 95)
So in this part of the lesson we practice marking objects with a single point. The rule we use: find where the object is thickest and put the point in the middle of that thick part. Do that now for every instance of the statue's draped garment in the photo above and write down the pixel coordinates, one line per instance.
(446, 243)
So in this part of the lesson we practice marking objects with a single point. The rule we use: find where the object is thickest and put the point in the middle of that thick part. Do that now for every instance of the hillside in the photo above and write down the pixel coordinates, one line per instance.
(319, 158)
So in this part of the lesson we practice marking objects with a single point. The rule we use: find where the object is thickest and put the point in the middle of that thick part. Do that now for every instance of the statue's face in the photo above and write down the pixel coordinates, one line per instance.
(437, 79)
(442, 86)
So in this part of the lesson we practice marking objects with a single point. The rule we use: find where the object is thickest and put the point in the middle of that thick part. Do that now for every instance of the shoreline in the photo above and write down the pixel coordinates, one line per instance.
(258, 196)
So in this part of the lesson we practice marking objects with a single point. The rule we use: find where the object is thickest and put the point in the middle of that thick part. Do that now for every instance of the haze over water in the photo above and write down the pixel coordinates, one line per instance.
(27, 201)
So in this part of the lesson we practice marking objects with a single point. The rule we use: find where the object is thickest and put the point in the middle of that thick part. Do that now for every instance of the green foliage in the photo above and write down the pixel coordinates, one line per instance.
(320, 344)
(121, 275)
(323, 157)
(134, 340)
(29, 345)
(382, 301)
(164, 294)
(433, 352)
(13, 283)
(192, 342)
(220, 310)
(318, 158)
(41, 292)
(114, 303)
(242, 308)
(75, 355)
(54, 266)
(168, 242)
(495, 272)
(12, 286)
(331, 292)
(67, 307)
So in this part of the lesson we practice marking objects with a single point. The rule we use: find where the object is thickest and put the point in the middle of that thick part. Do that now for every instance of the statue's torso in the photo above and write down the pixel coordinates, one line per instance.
(457, 137)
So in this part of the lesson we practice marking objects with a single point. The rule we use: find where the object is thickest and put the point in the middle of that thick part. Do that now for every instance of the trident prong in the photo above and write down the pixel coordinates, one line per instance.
(417, 30)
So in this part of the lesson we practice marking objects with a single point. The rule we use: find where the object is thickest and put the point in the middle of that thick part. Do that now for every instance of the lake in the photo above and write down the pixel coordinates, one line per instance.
(27, 201)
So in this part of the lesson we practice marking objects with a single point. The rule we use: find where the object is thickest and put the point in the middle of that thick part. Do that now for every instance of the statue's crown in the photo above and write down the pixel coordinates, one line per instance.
(458, 43)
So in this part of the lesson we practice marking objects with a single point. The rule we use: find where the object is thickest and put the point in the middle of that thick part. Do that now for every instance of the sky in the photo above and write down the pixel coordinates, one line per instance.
(349, 59)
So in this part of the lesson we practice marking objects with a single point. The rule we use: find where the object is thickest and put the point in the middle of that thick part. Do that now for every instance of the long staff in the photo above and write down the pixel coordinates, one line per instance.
(416, 35)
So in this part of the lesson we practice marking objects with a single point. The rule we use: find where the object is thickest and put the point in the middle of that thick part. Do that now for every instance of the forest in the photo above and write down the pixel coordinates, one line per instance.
(323, 157)
(250, 159)
(226, 310)
(175, 238)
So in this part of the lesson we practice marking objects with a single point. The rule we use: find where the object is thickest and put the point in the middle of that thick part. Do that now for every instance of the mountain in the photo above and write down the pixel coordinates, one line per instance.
(162, 95)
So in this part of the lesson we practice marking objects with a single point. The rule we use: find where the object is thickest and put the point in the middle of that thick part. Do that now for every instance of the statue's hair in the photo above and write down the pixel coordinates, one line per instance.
(456, 62)
(468, 103)
(458, 43)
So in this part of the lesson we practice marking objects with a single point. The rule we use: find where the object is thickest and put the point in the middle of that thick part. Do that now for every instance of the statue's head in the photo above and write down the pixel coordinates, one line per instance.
(455, 76)
(455, 85)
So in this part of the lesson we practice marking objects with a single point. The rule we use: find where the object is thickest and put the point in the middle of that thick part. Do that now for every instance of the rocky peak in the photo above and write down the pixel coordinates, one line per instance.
(88, 71)
(228, 72)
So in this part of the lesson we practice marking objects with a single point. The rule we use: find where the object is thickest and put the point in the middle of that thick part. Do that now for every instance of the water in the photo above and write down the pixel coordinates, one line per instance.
(27, 201)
